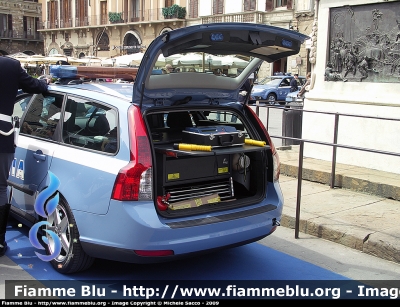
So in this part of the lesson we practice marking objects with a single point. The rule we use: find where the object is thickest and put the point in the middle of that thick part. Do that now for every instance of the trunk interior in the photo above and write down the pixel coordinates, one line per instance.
(204, 162)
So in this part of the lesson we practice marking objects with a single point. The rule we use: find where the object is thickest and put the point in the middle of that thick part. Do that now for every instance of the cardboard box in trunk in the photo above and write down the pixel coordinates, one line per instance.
(195, 202)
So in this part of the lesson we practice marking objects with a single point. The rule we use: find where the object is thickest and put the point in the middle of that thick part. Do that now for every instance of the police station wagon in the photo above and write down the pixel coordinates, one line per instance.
(170, 166)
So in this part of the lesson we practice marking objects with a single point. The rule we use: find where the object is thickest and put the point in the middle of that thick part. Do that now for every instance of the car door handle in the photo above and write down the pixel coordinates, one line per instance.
(39, 155)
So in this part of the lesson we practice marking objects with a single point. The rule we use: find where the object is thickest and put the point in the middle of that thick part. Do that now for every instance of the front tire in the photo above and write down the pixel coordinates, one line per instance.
(72, 257)
(271, 98)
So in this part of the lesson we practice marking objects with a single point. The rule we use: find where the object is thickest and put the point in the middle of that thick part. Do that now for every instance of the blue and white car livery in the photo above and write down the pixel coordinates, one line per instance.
(273, 89)
(136, 182)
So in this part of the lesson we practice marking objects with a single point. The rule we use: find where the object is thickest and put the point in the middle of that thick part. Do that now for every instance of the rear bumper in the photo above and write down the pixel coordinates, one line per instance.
(138, 227)
(129, 256)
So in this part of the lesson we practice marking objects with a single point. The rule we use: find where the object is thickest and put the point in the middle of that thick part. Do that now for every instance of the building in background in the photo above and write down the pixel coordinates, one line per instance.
(107, 28)
(19, 21)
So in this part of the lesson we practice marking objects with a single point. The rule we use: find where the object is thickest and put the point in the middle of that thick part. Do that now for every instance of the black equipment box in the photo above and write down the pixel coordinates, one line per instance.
(216, 136)
(197, 168)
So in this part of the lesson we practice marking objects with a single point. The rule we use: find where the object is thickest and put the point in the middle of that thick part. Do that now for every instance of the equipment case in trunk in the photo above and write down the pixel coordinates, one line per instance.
(216, 136)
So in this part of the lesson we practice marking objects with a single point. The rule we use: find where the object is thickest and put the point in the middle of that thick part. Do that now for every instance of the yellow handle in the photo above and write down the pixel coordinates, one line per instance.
(254, 142)
(192, 147)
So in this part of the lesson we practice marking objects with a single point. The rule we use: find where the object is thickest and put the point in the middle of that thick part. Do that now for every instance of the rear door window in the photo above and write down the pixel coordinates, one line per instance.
(42, 118)
(285, 82)
(90, 125)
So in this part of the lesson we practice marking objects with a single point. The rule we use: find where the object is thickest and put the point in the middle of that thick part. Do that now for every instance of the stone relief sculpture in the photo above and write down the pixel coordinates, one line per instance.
(364, 43)
(332, 75)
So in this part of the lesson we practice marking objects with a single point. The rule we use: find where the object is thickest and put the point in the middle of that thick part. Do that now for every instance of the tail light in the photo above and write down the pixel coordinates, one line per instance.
(277, 165)
(135, 180)
(275, 156)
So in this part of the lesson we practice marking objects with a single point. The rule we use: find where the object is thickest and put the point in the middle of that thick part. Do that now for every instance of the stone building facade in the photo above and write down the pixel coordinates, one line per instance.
(19, 21)
(107, 28)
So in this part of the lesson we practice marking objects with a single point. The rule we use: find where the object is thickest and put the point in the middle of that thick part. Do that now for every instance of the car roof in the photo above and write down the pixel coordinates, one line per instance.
(255, 41)
(106, 92)
(281, 77)
(266, 80)
(122, 90)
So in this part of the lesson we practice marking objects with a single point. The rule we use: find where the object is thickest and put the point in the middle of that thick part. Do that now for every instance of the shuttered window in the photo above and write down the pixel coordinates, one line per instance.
(269, 5)
(218, 7)
(282, 3)
(10, 21)
(52, 9)
(249, 5)
(65, 13)
(25, 24)
(103, 12)
(193, 9)
(81, 7)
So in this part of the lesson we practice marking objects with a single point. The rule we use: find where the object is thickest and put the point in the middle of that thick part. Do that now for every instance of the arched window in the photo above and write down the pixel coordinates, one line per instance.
(53, 51)
(103, 42)
(165, 30)
(132, 42)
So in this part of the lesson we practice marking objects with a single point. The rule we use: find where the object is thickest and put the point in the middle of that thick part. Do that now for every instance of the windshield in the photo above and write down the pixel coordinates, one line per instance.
(221, 65)
(270, 81)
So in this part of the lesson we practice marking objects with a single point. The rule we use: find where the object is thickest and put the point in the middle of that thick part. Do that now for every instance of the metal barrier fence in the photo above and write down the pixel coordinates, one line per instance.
(334, 145)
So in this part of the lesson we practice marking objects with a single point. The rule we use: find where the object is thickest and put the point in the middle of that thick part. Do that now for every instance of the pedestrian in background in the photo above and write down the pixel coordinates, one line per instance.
(167, 69)
(12, 78)
(303, 88)
(293, 83)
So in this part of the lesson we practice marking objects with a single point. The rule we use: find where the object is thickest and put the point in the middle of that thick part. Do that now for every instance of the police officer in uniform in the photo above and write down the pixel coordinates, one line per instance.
(12, 78)
(293, 83)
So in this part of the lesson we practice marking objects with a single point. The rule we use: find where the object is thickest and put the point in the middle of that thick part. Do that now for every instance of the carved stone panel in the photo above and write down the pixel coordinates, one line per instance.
(364, 43)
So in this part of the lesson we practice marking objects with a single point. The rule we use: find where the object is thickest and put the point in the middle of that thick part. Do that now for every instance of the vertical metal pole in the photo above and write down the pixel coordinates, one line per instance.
(335, 137)
(266, 124)
(299, 182)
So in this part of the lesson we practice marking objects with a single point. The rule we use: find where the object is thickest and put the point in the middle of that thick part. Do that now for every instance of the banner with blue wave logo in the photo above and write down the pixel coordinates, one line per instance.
(47, 201)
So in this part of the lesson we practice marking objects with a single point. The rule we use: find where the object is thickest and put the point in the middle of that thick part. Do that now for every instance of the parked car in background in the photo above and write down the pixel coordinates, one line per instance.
(168, 167)
(273, 89)
(292, 101)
